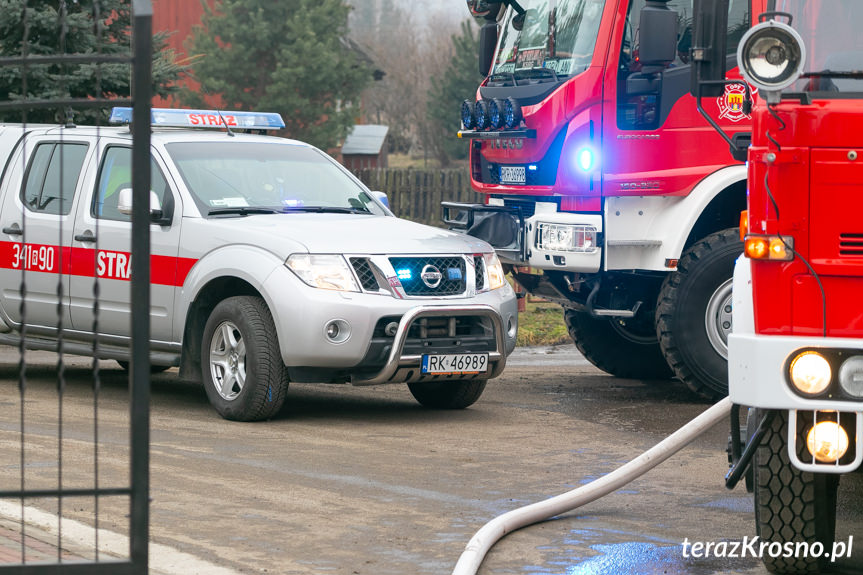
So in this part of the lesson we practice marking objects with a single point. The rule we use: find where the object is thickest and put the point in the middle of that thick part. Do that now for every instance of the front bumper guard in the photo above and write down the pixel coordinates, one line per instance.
(407, 368)
(836, 467)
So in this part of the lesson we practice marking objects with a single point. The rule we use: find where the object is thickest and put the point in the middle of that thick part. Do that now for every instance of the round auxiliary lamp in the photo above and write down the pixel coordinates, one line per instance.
(771, 56)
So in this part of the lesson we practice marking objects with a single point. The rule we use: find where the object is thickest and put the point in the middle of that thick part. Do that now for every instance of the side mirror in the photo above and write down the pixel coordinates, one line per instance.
(709, 45)
(483, 9)
(382, 198)
(157, 214)
(658, 32)
(487, 44)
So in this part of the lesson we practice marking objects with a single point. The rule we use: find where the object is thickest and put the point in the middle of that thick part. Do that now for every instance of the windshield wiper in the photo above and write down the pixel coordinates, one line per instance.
(242, 211)
(325, 210)
(833, 74)
(539, 71)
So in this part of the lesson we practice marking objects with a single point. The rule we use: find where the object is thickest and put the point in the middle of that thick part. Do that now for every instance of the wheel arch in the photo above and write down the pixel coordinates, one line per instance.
(714, 205)
(208, 297)
(645, 232)
(230, 271)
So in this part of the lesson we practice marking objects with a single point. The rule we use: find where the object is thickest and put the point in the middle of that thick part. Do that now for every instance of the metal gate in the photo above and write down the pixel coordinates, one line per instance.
(37, 535)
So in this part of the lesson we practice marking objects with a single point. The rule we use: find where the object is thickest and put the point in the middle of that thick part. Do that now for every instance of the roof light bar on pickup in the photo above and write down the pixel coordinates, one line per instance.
(172, 118)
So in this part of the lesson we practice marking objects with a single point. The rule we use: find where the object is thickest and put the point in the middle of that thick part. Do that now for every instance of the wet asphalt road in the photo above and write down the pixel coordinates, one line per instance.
(365, 481)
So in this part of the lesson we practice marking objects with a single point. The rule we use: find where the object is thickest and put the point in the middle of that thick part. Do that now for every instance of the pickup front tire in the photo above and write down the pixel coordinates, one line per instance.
(242, 368)
(447, 394)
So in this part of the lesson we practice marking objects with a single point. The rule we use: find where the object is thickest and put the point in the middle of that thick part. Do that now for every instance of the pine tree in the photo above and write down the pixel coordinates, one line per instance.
(289, 56)
(459, 82)
(70, 27)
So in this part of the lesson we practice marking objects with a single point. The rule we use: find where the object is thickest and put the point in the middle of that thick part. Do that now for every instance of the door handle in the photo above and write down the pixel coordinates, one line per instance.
(13, 230)
(87, 236)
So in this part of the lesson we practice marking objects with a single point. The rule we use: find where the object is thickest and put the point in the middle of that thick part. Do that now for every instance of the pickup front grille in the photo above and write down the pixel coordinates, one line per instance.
(851, 244)
(364, 273)
(410, 272)
(479, 265)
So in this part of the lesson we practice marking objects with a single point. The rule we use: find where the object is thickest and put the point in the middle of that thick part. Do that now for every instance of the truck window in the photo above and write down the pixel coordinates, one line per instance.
(641, 111)
(52, 175)
(116, 174)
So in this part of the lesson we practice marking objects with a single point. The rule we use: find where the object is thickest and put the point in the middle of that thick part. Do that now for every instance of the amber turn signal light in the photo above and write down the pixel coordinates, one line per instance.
(769, 248)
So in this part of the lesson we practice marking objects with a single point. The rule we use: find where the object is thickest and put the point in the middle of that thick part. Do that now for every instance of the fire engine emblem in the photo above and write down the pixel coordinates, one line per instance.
(731, 103)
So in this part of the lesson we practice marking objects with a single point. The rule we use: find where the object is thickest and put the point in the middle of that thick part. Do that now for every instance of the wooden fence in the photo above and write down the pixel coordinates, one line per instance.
(417, 194)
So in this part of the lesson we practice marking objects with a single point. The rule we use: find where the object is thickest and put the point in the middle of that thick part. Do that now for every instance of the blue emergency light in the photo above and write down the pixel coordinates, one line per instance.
(204, 119)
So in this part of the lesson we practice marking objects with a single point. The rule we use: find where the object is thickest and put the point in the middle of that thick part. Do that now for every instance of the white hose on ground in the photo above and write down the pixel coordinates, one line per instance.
(491, 532)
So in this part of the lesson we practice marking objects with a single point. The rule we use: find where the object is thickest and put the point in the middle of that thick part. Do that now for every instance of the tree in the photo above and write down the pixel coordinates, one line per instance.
(288, 56)
(459, 82)
(74, 27)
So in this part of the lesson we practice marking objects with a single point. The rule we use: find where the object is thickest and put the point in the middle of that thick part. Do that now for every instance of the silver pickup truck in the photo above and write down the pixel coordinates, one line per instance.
(270, 263)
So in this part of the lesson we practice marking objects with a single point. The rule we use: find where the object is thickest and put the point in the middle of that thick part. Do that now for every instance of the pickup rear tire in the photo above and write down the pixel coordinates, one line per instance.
(791, 505)
(616, 349)
(693, 315)
(242, 368)
(447, 394)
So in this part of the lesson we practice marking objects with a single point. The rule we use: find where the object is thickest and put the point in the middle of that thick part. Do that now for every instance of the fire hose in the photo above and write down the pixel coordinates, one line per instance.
(494, 530)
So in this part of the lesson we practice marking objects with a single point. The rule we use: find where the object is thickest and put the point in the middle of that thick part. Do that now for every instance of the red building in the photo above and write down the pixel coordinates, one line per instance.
(178, 17)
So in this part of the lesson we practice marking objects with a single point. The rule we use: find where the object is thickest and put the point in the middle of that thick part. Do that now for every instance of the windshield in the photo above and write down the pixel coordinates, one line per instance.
(557, 36)
(234, 177)
(834, 45)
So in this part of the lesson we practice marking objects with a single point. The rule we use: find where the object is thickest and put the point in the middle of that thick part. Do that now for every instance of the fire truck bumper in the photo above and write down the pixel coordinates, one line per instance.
(548, 239)
(760, 375)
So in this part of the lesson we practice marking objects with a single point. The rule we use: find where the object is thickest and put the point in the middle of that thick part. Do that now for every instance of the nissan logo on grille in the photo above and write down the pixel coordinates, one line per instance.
(431, 276)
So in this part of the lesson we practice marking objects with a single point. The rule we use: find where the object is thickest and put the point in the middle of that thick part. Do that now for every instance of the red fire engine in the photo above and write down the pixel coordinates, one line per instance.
(796, 350)
(606, 190)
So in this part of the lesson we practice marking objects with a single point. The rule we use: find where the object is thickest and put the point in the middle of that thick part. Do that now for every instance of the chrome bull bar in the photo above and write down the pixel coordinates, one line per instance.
(407, 368)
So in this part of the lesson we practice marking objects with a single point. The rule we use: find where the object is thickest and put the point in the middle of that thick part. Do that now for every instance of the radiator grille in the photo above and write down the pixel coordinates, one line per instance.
(364, 272)
(410, 271)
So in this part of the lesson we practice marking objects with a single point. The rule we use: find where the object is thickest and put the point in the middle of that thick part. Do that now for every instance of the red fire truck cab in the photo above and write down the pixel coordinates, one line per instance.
(796, 349)
(606, 190)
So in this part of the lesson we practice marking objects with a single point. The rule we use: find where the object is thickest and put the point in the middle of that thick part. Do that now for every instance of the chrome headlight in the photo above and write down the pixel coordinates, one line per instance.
(323, 271)
(771, 56)
(851, 376)
(810, 372)
(494, 271)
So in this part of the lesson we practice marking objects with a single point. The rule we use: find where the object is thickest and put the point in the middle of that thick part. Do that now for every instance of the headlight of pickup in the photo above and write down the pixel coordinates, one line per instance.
(494, 269)
(323, 271)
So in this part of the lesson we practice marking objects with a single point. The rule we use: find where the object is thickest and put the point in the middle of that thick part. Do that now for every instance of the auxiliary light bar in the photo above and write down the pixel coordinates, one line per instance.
(169, 117)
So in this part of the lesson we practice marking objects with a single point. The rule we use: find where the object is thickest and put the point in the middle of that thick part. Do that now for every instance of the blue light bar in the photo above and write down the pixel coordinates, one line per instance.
(203, 119)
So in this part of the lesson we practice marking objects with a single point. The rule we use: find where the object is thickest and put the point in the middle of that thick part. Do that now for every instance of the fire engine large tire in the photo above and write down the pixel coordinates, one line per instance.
(693, 315)
(615, 350)
(447, 394)
(791, 505)
(243, 372)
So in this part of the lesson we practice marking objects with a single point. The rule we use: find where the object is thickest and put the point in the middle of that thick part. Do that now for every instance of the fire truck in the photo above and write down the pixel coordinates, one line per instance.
(796, 349)
(605, 189)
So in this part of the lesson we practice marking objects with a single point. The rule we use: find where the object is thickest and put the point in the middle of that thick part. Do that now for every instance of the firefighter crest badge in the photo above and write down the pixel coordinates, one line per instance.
(731, 103)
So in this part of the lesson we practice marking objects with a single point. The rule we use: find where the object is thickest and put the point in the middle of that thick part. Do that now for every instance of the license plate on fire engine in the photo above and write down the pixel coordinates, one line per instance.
(512, 175)
(455, 363)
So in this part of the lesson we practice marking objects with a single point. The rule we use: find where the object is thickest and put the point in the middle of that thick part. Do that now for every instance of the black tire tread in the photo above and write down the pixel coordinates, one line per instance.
(668, 297)
(447, 394)
(608, 351)
(263, 401)
(791, 505)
